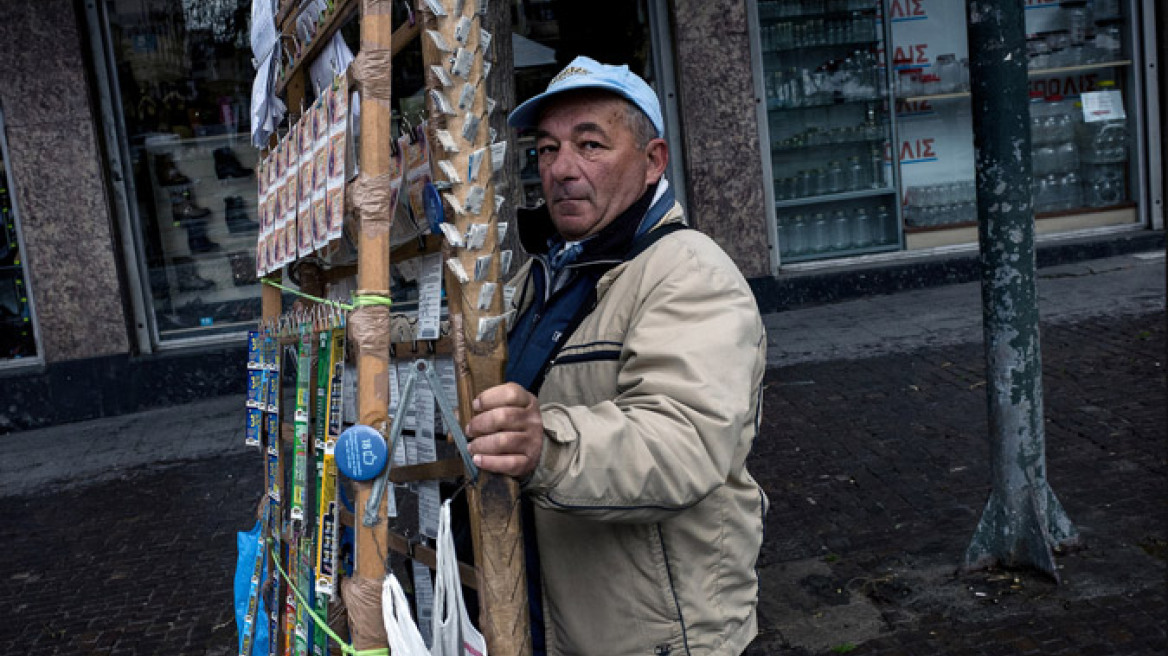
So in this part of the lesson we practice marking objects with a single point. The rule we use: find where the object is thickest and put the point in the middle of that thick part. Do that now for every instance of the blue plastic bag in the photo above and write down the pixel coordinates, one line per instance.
(250, 547)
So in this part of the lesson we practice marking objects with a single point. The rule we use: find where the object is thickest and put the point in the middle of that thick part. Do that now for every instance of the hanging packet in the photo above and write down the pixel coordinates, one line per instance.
(403, 634)
(251, 570)
(453, 632)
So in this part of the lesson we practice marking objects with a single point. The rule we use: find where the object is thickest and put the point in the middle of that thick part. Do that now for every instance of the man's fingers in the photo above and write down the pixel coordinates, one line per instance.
(497, 420)
(500, 444)
(509, 465)
(499, 396)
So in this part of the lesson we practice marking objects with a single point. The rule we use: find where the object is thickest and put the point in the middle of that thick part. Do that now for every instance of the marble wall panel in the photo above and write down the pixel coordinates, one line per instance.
(59, 188)
(718, 105)
(43, 75)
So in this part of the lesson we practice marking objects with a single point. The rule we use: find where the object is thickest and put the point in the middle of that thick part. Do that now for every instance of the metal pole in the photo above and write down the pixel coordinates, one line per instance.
(1023, 521)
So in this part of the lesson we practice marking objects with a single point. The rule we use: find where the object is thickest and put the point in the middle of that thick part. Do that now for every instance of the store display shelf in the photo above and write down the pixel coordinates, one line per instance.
(1043, 72)
(1038, 216)
(831, 198)
(833, 102)
(851, 252)
(342, 11)
(933, 97)
(776, 52)
(779, 149)
(834, 13)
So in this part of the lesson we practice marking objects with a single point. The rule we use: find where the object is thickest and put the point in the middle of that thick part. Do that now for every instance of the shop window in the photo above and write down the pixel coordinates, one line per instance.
(183, 74)
(871, 130)
(17, 333)
(1080, 157)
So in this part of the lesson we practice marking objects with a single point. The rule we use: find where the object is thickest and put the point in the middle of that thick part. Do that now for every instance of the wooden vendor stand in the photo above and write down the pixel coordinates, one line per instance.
(479, 354)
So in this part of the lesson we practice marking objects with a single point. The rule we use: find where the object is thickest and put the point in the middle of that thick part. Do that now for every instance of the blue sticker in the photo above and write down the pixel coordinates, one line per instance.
(361, 453)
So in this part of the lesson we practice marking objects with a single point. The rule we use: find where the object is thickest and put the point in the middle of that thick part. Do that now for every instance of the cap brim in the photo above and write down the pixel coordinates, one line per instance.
(526, 115)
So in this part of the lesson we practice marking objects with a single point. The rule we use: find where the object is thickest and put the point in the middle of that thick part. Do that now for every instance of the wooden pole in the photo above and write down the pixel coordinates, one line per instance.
(479, 363)
(373, 279)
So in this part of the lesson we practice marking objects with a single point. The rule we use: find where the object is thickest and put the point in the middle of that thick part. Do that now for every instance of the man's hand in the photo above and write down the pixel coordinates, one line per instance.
(507, 431)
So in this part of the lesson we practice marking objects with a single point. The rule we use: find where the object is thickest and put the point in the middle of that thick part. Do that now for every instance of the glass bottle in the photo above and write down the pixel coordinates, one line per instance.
(856, 178)
(863, 228)
(1078, 19)
(835, 177)
(841, 233)
(883, 226)
(798, 235)
(784, 235)
(876, 162)
(820, 234)
(1109, 39)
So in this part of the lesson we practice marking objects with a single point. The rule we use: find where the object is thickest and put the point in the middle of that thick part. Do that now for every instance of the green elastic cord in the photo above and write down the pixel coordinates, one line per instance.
(362, 300)
(366, 299)
(322, 624)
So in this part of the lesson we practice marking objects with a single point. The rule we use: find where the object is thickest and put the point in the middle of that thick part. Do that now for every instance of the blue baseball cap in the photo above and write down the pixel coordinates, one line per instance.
(587, 73)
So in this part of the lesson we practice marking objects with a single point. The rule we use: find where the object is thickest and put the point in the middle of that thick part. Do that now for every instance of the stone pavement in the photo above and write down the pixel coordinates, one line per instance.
(118, 534)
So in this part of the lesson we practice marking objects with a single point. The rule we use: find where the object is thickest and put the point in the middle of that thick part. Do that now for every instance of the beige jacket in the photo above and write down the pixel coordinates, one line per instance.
(648, 524)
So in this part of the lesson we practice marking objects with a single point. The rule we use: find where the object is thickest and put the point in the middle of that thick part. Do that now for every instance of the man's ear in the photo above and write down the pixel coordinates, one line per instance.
(657, 156)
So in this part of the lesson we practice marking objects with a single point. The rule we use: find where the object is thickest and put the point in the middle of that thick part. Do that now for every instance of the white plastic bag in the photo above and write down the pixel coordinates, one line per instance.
(453, 632)
(404, 638)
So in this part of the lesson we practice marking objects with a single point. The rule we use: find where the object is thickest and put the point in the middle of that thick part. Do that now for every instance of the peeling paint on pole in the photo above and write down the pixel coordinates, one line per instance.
(1023, 521)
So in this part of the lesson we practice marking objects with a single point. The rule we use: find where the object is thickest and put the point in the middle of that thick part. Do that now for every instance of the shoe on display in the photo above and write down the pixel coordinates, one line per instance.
(227, 165)
(235, 216)
(167, 171)
(188, 276)
(185, 210)
(243, 268)
(197, 237)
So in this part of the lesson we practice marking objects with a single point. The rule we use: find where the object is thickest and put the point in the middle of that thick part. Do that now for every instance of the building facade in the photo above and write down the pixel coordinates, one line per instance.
(824, 145)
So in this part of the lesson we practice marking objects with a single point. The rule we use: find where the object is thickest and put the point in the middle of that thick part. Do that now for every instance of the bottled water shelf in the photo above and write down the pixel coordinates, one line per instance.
(777, 17)
(773, 54)
(1043, 72)
(779, 148)
(833, 254)
(819, 104)
(830, 198)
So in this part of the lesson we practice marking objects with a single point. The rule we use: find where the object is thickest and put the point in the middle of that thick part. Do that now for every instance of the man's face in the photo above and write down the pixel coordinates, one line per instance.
(590, 164)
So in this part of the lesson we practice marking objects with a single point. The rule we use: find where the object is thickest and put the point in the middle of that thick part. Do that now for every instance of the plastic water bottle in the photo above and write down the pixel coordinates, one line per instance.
(884, 228)
(841, 233)
(863, 228)
(876, 161)
(856, 178)
(799, 235)
(1038, 114)
(820, 234)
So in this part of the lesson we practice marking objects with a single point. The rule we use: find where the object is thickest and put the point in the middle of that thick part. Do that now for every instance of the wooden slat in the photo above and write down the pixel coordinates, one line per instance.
(421, 553)
(428, 557)
(447, 468)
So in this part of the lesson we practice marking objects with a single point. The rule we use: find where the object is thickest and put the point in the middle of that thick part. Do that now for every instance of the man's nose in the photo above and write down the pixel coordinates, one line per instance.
(564, 165)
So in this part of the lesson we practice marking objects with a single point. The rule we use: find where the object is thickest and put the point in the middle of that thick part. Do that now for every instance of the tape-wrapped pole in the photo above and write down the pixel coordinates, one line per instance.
(369, 326)
(453, 53)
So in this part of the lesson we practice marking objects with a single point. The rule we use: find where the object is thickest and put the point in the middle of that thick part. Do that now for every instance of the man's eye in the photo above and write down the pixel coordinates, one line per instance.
(591, 145)
(548, 148)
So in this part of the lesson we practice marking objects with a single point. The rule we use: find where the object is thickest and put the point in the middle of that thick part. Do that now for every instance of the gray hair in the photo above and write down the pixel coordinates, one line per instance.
(642, 127)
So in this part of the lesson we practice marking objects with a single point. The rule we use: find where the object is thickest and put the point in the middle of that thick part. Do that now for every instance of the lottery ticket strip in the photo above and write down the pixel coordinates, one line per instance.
(349, 400)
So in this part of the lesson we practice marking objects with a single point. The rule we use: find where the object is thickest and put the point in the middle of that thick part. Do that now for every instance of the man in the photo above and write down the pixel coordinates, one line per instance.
(636, 364)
